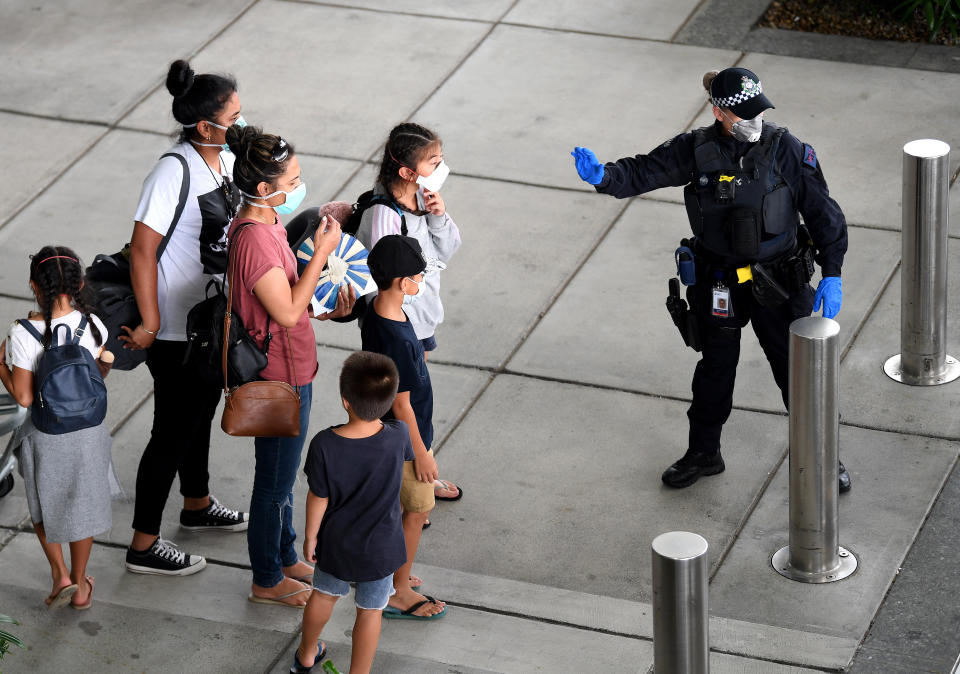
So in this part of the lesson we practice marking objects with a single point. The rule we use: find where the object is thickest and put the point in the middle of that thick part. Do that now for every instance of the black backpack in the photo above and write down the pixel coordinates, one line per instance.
(109, 279)
(204, 352)
(69, 393)
(304, 226)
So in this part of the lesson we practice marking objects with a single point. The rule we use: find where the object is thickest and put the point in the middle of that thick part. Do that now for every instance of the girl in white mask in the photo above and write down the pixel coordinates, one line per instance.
(412, 172)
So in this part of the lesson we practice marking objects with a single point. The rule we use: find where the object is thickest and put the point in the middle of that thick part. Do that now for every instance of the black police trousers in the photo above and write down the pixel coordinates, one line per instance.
(715, 374)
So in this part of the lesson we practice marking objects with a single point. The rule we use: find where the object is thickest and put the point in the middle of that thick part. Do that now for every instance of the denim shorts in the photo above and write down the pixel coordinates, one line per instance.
(429, 343)
(372, 595)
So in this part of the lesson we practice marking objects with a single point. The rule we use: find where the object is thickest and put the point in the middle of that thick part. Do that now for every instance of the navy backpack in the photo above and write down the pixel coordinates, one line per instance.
(68, 391)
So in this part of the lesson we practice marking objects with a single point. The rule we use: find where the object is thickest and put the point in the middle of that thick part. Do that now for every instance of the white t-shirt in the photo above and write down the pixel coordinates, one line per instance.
(24, 351)
(197, 251)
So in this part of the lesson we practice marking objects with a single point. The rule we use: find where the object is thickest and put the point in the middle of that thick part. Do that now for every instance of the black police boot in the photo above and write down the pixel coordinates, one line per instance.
(691, 467)
(845, 483)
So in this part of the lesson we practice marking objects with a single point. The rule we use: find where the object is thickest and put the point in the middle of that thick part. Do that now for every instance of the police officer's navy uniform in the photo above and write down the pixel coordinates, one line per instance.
(775, 178)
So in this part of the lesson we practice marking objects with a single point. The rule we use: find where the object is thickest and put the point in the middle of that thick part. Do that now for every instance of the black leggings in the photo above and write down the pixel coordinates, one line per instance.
(183, 409)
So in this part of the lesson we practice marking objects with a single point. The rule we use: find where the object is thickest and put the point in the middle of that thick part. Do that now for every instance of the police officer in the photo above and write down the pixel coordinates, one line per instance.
(746, 182)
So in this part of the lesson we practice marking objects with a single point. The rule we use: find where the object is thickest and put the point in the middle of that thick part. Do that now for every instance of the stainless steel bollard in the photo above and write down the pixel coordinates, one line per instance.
(923, 359)
(814, 554)
(681, 634)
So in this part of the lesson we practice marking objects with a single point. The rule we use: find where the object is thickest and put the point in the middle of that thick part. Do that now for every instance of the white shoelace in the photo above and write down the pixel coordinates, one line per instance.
(169, 551)
(219, 510)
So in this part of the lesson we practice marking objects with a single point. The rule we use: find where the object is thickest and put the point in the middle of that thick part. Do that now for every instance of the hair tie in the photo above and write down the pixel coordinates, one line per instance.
(56, 257)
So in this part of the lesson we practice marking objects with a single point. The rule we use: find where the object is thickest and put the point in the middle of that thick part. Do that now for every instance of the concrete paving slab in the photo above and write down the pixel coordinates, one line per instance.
(721, 23)
(722, 663)
(624, 282)
(90, 208)
(646, 19)
(543, 522)
(113, 638)
(862, 150)
(492, 282)
(547, 95)
(467, 640)
(83, 70)
(217, 594)
(232, 459)
(480, 10)
(870, 398)
(611, 615)
(340, 55)
(896, 479)
(918, 621)
(62, 143)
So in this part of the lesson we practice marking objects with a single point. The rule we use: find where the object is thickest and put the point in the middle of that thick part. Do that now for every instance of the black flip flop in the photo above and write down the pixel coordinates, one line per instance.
(297, 668)
(446, 485)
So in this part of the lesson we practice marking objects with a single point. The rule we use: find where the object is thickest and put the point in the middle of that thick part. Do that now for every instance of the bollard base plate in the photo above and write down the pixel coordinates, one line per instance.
(781, 563)
(950, 371)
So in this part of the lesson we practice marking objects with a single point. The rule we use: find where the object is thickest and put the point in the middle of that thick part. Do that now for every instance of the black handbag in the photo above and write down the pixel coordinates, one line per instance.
(245, 360)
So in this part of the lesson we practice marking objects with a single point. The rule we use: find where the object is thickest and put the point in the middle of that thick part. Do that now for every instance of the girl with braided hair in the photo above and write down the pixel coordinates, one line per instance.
(68, 478)
(412, 172)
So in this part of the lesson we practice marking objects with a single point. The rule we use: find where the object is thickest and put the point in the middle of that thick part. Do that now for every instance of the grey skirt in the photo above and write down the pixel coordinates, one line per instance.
(69, 480)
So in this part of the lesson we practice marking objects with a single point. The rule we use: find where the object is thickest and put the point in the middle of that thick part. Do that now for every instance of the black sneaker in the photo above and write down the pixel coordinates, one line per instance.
(163, 558)
(691, 468)
(215, 517)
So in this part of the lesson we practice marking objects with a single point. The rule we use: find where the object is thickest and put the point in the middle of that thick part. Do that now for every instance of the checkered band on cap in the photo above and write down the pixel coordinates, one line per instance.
(741, 96)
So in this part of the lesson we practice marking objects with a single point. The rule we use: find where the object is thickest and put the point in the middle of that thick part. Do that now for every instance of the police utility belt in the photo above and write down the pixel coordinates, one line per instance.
(772, 282)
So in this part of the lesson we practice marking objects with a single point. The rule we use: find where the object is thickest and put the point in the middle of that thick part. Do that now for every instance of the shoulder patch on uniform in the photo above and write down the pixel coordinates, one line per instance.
(809, 156)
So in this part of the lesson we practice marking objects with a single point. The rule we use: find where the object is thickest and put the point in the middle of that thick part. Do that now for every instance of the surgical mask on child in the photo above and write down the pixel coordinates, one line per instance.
(746, 130)
(410, 299)
(294, 199)
(434, 181)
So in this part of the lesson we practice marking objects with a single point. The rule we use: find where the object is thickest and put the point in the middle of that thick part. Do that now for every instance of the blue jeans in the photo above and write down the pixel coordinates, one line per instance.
(270, 534)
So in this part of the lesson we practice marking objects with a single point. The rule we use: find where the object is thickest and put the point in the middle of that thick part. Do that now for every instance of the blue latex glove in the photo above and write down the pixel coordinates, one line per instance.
(830, 293)
(588, 166)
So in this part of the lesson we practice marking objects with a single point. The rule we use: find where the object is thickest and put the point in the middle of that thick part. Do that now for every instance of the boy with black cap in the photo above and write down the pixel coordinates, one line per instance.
(397, 266)
(746, 181)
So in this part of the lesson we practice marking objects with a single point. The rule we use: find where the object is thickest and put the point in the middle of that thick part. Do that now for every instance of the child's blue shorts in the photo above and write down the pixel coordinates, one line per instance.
(371, 594)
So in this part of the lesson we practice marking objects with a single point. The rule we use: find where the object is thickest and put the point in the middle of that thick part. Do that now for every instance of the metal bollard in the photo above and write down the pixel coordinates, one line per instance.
(814, 554)
(681, 634)
(923, 359)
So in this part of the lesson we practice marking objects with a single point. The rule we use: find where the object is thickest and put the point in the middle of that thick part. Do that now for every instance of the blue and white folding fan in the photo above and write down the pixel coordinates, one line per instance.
(347, 264)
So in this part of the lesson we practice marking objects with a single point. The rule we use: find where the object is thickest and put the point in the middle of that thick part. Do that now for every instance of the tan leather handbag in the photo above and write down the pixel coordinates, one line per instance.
(262, 409)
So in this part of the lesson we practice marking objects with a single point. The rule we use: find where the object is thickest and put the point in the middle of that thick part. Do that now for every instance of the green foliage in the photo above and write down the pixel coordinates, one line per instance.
(6, 638)
(939, 15)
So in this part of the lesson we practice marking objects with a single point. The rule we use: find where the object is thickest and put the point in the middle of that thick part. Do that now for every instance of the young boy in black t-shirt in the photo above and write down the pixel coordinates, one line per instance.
(353, 531)
(397, 265)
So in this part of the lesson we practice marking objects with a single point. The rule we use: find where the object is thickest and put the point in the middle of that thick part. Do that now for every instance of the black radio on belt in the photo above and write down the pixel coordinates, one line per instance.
(726, 188)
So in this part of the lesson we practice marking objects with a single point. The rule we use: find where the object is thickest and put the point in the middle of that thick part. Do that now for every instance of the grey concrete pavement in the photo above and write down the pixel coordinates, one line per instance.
(561, 384)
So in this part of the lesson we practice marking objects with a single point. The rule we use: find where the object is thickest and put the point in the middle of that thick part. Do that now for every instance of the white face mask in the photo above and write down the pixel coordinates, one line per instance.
(746, 130)
(434, 181)
(410, 299)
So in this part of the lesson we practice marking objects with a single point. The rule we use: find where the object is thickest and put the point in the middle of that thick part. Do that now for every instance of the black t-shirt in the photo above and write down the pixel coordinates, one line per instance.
(397, 340)
(360, 537)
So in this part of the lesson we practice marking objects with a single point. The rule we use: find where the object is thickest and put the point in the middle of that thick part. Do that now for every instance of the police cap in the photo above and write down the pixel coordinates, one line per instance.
(740, 91)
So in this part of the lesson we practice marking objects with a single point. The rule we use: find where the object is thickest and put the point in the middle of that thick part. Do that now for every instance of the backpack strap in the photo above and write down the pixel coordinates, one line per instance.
(28, 326)
(82, 328)
(184, 191)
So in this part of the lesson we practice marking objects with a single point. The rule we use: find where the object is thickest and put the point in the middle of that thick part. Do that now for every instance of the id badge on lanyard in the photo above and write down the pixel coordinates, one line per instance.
(721, 301)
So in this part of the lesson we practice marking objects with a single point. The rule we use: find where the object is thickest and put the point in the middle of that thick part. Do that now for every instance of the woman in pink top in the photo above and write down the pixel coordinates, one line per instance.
(272, 302)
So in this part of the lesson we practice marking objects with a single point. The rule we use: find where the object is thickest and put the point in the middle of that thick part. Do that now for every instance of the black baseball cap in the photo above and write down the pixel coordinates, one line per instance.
(396, 256)
(739, 90)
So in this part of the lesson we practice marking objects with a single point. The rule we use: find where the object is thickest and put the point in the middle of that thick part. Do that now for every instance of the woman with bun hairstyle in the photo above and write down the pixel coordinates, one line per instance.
(272, 301)
(205, 106)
